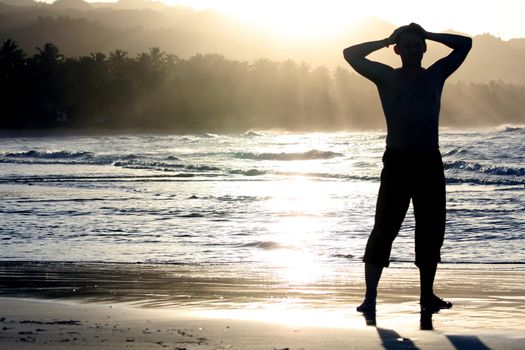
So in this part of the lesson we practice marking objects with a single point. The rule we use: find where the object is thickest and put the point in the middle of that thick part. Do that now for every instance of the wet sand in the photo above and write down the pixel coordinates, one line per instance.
(53, 306)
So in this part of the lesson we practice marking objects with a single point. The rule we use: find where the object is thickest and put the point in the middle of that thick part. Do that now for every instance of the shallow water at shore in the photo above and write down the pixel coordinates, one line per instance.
(233, 287)
(486, 300)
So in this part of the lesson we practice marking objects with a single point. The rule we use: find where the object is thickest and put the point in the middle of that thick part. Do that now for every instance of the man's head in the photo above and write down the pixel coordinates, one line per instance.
(411, 45)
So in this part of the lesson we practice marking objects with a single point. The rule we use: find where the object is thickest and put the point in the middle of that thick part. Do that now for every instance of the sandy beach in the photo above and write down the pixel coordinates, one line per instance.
(228, 313)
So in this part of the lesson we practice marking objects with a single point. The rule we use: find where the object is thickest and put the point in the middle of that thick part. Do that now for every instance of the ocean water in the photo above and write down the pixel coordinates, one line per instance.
(299, 205)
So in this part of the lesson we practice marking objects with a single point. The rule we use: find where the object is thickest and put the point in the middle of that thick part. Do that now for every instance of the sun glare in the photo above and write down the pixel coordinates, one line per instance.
(299, 224)
(310, 19)
(296, 19)
(293, 19)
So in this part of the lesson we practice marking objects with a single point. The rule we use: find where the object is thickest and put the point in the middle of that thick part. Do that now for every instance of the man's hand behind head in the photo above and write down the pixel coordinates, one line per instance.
(418, 28)
(392, 39)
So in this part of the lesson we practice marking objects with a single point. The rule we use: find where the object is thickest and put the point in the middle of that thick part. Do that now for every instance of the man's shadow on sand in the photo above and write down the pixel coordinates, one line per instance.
(391, 340)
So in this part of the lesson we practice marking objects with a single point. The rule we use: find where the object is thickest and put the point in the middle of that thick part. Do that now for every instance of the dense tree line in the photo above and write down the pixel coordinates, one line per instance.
(159, 91)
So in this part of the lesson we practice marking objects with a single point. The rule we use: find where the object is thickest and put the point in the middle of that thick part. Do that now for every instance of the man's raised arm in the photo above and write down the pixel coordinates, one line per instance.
(460, 46)
(356, 56)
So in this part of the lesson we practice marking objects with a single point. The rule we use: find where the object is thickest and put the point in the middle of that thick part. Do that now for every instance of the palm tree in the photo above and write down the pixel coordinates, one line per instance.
(49, 83)
(11, 58)
(98, 57)
(13, 84)
(49, 55)
(118, 57)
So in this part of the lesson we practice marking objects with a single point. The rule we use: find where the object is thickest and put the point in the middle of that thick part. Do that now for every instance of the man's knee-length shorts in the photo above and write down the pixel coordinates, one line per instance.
(409, 176)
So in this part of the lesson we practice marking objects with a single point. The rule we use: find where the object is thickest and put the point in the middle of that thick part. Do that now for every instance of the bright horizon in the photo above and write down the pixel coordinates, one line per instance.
(314, 19)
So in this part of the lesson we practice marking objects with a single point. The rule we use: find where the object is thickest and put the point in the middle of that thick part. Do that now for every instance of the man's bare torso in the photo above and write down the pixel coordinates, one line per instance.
(411, 101)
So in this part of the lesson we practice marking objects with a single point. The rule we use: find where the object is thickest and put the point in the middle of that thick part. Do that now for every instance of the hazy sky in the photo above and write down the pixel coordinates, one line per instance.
(306, 18)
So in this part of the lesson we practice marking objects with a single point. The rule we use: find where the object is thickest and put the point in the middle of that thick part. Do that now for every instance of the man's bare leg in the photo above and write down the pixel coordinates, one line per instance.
(372, 276)
(429, 301)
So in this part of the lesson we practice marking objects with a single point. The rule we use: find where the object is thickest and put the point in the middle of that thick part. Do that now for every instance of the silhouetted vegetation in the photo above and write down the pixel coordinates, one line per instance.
(158, 91)
(79, 28)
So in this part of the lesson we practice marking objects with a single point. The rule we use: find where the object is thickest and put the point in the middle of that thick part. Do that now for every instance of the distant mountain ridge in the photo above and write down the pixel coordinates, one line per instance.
(71, 4)
(19, 2)
(82, 5)
(80, 28)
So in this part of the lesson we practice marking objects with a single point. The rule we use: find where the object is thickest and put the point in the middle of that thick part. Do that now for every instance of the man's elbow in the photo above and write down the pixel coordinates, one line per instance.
(468, 43)
(348, 54)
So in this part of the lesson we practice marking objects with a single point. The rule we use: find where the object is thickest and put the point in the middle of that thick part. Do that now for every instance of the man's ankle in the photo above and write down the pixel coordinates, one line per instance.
(368, 305)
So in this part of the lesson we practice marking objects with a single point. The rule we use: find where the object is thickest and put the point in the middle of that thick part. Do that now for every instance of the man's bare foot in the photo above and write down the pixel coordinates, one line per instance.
(367, 306)
(434, 303)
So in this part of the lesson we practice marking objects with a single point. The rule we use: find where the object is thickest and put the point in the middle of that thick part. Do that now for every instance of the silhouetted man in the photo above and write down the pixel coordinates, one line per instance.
(412, 165)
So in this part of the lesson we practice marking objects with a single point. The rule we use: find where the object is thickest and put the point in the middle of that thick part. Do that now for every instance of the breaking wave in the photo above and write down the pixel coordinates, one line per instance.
(485, 169)
(50, 154)
(509, 128)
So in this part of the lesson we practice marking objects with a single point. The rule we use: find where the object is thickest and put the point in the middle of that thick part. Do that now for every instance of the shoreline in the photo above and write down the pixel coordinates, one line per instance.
(176, 308)
(238, 285)
(46, 324)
